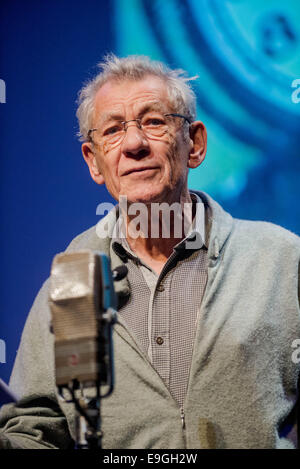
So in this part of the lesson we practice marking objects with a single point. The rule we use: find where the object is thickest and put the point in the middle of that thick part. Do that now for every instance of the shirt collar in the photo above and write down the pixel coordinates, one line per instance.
(197, 228)
(195, 239)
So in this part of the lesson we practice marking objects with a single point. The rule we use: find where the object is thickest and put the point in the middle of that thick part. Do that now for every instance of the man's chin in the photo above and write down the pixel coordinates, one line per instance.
(143, 197)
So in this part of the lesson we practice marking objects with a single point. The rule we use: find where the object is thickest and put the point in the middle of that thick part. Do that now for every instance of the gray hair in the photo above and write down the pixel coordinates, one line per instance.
(135, 67)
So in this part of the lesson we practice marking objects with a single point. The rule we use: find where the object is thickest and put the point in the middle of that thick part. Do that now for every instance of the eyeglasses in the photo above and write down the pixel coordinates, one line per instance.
(152, 126)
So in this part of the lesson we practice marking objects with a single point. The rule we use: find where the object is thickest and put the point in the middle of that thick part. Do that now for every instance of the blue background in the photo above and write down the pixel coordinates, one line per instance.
(246, 54)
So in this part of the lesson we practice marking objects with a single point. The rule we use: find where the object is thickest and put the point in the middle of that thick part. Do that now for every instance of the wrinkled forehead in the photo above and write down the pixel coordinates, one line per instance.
(119, 98)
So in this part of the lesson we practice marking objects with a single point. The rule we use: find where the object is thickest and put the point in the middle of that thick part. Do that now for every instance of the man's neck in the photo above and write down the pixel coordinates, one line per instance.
(153, 230)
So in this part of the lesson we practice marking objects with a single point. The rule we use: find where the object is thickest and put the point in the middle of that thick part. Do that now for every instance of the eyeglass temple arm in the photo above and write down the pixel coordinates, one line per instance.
(179, 115)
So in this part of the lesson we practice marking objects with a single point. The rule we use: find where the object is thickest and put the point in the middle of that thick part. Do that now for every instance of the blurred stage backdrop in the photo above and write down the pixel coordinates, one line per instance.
(247, 56)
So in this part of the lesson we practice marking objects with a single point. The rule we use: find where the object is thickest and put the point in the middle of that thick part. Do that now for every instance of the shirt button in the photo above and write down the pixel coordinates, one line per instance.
(159, 340)
(160, 288)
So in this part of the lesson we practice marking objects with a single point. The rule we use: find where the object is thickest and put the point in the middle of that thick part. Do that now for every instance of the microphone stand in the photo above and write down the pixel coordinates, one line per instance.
(88, 422)
(88, 410)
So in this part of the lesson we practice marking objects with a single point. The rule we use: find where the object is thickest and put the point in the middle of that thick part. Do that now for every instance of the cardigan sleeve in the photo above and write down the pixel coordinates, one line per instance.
(37, 419)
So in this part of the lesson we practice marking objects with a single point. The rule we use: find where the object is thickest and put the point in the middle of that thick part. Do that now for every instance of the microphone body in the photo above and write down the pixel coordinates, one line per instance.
(83, 303)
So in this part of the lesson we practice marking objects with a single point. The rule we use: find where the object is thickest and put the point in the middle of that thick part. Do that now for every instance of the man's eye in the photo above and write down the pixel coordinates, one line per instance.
(112, 130)
(155, 121)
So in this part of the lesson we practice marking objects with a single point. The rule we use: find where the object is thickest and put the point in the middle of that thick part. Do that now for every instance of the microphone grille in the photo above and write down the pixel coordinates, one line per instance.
(75, 295)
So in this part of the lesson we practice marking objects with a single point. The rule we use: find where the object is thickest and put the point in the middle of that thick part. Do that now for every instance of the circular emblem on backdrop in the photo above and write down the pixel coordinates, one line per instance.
(246, 55)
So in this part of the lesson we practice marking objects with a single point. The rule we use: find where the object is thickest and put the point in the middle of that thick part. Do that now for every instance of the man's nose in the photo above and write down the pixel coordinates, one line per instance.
(135, 143)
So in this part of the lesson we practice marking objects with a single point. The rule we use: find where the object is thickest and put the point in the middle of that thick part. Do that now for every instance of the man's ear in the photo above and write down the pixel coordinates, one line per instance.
(198, 136)
(90, 159)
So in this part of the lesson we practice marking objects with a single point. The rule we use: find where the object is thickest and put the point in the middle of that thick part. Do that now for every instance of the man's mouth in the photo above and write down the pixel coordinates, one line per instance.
(139, 170)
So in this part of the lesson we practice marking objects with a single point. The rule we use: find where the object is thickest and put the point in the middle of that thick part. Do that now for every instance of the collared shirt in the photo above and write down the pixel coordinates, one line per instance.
(162, 310)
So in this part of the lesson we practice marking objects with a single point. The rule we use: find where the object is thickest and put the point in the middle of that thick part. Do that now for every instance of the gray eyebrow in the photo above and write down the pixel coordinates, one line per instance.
(154, 106)
(108, 116)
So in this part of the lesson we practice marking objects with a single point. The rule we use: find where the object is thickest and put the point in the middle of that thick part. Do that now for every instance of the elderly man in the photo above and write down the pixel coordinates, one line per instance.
(208, 316)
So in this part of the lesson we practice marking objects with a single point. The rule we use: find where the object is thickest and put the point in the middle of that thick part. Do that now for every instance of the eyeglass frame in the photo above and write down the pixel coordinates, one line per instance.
(139, 123)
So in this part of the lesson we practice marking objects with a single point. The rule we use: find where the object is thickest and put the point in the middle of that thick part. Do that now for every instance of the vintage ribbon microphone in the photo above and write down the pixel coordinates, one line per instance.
(83, 306)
